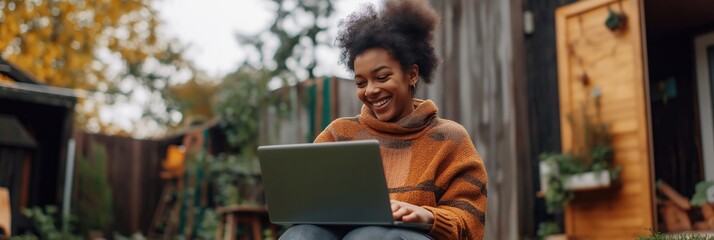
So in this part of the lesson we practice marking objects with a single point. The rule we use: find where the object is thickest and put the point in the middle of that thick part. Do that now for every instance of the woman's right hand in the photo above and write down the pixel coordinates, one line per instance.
(406, 212)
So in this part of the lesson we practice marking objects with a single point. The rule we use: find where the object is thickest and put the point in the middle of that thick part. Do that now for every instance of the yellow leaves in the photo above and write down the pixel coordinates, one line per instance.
(56, 41)
(24, 61)
(47, 60)
(114, 15)
(3, 41)
(20, 8)
(127, 54)
(65, 6)
(151, 39)
(6, 80)
(30, 42)
(51, 52)
(11, 24)
(46, 32)
(69, 32)
(113, 43)
(42, 11)
(72, 61)
(160, 55)
(196, 97)
(76, 35)
(140, 55)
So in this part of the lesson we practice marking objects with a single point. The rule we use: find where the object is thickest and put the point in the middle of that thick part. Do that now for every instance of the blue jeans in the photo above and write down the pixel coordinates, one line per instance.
(301, 232)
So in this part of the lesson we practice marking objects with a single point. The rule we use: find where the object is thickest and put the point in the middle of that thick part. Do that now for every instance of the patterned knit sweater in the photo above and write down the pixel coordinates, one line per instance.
(429, 162)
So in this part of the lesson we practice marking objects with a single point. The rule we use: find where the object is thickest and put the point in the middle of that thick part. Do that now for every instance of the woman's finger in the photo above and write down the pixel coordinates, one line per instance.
(395, 206)
(400, 213)
(411, 217)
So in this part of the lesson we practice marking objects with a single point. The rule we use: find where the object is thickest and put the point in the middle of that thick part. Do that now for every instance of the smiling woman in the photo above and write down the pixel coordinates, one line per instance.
(434, 174)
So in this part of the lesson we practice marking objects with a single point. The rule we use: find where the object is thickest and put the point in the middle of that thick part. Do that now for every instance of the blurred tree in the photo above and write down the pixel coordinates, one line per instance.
(110, 46)
(245, 95)
(299, 29)
(240, 100)
(195, 98)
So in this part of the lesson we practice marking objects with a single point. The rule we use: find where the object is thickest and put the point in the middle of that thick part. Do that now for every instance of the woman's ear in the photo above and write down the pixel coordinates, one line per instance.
(413, 75)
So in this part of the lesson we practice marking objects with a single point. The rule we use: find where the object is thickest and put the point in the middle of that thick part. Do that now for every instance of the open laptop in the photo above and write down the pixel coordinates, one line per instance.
(338, 183)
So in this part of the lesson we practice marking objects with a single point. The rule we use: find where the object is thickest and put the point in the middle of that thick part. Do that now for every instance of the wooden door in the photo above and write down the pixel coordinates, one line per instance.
(613, 63)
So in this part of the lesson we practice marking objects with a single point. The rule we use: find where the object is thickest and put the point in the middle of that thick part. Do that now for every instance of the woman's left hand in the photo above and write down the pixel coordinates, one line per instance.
(406, 212)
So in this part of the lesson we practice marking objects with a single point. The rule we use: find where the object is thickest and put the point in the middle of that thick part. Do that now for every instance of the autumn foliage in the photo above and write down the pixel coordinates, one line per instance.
(93, 45)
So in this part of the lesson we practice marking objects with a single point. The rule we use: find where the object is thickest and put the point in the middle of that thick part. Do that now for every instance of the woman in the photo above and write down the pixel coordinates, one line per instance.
(433, 171)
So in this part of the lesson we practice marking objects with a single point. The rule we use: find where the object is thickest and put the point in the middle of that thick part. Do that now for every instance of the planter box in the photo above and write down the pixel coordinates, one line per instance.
(578, 182)
(557, 237)
(588, 181)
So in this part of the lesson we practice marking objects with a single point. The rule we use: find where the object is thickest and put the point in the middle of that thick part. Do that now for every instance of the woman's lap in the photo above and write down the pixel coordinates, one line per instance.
(300, 232)
(378, 232)
(369, 232)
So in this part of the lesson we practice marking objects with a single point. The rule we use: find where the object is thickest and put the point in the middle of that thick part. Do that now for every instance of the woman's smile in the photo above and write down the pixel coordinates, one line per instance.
(383, 85)
(381, 105)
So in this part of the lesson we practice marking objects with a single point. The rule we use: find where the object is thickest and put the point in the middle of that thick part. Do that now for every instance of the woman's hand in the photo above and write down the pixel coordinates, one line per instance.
(406, 212)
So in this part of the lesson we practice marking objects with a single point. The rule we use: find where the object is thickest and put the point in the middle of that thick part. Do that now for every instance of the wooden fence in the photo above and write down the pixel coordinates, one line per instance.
(133, 165)
(133, 174)
(316, 102)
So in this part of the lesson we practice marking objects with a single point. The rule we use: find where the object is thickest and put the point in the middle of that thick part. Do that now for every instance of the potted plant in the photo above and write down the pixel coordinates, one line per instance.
(589, 165)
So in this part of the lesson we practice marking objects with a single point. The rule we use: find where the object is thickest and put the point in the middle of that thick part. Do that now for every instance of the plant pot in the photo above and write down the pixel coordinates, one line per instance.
(545, 170)
(587, 181)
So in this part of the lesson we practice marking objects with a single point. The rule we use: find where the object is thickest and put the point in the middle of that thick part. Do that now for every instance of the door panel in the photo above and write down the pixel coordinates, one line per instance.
(613, 64)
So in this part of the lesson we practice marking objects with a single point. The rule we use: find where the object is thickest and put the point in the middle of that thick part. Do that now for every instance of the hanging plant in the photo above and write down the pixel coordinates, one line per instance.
(615, 20)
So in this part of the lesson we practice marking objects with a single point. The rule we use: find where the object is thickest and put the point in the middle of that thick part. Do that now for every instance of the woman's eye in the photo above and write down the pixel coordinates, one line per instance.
(360, 84)
(383, 77)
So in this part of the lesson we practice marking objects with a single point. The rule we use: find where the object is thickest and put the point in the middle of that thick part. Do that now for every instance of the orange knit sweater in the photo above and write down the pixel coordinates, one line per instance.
(429, 162)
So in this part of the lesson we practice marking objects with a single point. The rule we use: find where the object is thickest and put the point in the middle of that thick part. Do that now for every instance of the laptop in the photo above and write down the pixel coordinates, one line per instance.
(337, 183)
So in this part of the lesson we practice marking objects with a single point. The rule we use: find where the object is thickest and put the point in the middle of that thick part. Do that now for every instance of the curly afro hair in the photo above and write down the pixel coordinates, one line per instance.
(403, 27)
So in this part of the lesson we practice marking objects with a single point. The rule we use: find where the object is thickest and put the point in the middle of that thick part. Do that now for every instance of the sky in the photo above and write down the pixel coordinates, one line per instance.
(209, 27)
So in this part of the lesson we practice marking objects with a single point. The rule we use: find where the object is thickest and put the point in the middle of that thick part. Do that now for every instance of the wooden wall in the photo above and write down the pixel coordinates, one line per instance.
(542, 94)
(613, 62)
(479, 84)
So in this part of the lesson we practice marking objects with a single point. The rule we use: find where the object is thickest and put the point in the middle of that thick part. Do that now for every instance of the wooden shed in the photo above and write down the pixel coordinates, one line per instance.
(36, 126)
(654, 78)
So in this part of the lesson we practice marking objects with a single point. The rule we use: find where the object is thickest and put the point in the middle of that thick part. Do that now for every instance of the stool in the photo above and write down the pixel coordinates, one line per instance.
(254, 217)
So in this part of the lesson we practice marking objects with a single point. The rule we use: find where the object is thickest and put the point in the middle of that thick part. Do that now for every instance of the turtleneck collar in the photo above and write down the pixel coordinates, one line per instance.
(422, 116)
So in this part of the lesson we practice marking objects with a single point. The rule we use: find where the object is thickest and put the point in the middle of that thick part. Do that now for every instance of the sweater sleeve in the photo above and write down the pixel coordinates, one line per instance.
(326, 135)
(461, 211)
(338, 127)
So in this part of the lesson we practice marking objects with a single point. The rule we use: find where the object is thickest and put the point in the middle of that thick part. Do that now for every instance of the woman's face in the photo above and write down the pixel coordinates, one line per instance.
(382, 84)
